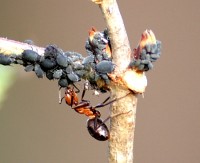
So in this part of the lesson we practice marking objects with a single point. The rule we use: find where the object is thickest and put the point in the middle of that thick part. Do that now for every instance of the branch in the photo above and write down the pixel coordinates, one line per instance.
(9, 47)
(117, 33)
(122, 126)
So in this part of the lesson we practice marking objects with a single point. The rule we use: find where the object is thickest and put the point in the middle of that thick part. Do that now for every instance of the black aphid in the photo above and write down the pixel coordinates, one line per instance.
(30, 56)
(5, 60)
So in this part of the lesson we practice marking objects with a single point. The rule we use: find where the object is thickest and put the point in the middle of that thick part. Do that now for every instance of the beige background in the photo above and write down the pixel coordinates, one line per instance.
(34, 128)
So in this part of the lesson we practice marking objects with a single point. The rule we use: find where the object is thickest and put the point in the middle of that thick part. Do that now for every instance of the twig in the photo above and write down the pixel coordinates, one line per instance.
(9, 47)
(119, 40)
(123, 126)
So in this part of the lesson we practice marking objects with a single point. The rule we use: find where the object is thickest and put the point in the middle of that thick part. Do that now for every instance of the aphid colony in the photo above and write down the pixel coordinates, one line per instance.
(148, 51)
(96, 69)
(70, 67)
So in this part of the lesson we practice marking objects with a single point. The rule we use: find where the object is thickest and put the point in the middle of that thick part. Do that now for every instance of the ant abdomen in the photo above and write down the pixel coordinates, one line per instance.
(99, 130)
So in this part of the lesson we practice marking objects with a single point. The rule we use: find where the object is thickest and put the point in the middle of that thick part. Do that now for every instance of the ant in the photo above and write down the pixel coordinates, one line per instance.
(96, 127)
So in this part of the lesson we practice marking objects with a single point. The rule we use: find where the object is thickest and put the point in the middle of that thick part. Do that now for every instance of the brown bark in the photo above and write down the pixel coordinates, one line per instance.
(122, 126)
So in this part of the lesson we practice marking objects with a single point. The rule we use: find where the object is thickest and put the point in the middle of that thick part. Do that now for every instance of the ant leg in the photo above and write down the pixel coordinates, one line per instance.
(72, 99)
(110, 102)
(106, 100)
(110, 116)
(102, 104)
(77, 90)
(115, 115)
(83, 94)
(82, 104)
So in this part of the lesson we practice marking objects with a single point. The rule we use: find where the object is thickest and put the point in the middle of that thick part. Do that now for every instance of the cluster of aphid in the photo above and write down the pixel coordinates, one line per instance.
(69, 67)
(66, 67)
(99, 60)
(148, 51)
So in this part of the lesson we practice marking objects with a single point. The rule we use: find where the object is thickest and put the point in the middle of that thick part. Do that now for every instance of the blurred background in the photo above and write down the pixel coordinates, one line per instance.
(34, 128)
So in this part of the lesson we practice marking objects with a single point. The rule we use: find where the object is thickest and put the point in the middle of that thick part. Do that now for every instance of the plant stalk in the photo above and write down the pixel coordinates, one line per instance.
(122, 127)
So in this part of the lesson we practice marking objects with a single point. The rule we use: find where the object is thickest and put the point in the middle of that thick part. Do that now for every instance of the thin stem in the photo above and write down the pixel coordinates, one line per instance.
(9, 47)
(122, 126)
(121, 50)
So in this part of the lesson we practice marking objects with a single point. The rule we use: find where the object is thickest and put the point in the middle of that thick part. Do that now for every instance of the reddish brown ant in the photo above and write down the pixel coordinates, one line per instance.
(96, 127)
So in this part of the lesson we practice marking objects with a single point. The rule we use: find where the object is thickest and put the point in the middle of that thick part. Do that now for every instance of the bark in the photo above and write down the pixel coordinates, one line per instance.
(122, 127)
(9, 47)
